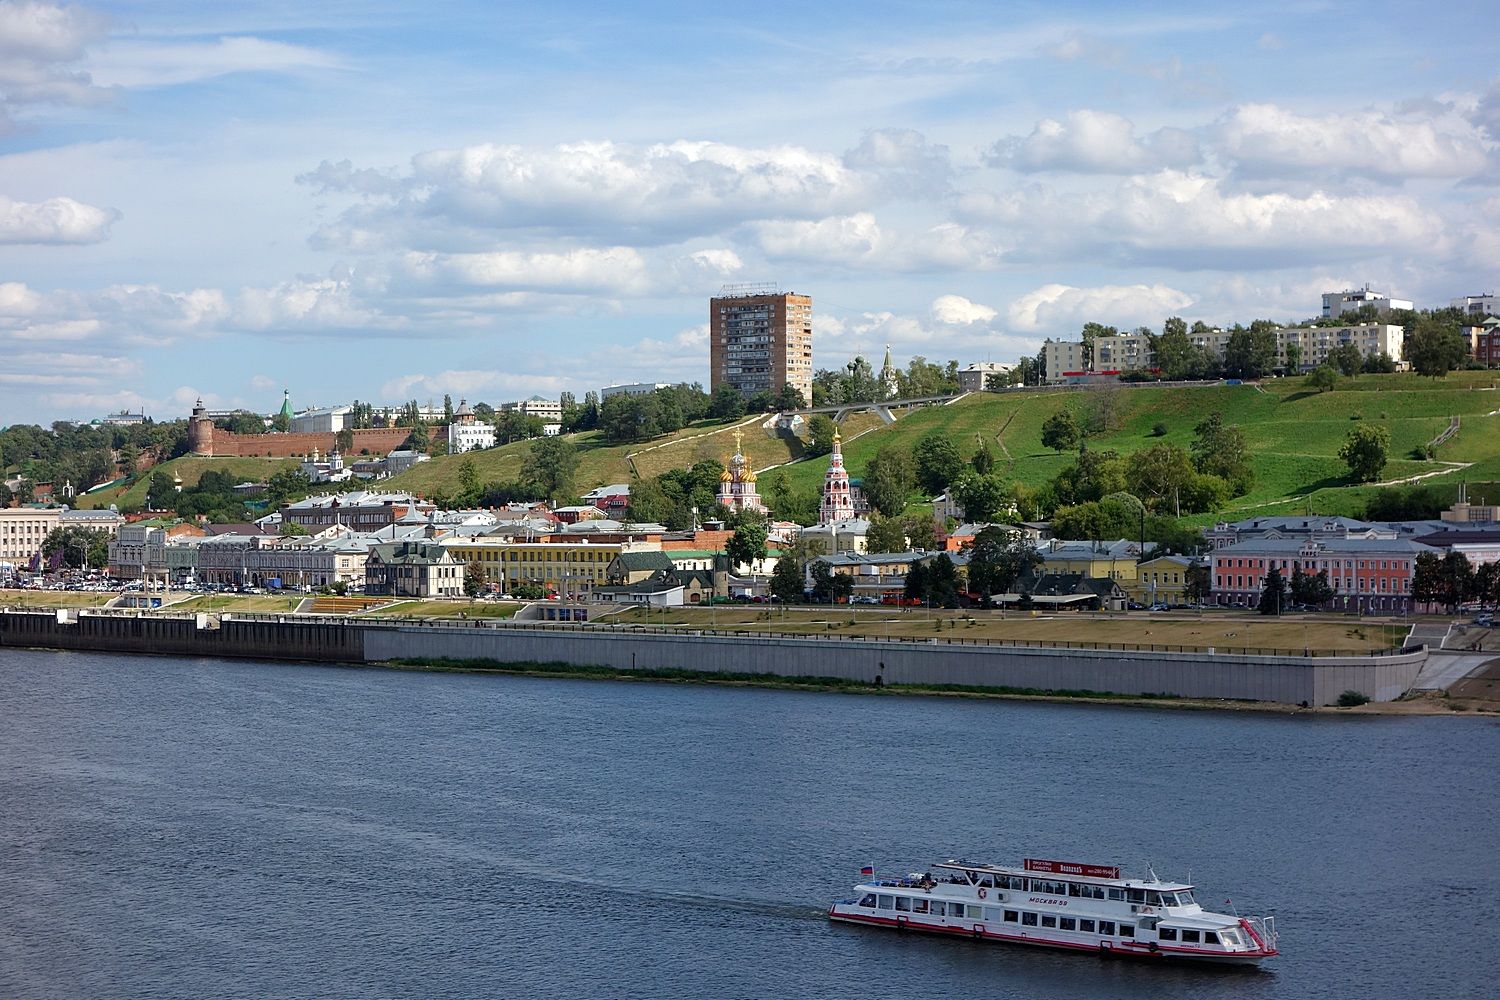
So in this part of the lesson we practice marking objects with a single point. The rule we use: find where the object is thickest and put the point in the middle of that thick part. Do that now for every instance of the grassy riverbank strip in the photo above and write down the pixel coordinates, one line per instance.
(575, 671)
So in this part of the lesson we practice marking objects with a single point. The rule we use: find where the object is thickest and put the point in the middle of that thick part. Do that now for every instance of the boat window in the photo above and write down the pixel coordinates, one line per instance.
(1209, 937)
(1067, 924)
(1231, 938)
(1167, 933)
(903, 904)
(991, 914)
(1048, 920)
(1127, 930)
(1106, 927)
(887, 902)
(1011, 916)
(1185, 898)
(988, 881)
(1117, 894)
(1153, 899)
(1029, 919)
(868, 900)
(1015, 882)
(1049, 887)
(939, 908)
(1073, 888)
(1136, 895)
(919, 906)
(1190, 937)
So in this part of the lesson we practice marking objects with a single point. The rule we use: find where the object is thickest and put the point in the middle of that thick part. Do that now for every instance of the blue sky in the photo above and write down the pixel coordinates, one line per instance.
(392, 201)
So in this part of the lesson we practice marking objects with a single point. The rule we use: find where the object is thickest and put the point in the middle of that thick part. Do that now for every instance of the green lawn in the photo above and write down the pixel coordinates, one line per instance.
(447, 609)
(55, 598)
(190, 469)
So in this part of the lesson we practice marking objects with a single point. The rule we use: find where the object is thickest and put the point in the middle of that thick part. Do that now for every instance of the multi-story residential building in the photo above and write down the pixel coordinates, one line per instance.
(1484, 342)
(1478, 305)
(612, 500)
(1133, 352)
(760, 339)
(358, 511)
(1336, 304)
(974, 377)
(1368, 575)
(466, 433)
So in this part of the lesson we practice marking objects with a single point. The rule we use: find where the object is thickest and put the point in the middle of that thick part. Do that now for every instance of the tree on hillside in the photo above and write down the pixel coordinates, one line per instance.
(418, 440)
(983, 461)
(938, 462)
(942, 581)
(549, 468)
(1159, 474)
(1347, 358)
(888, 480)
(1220, 450)
(1380, 364)
(727, 403)
(1273, 597)
(1060, 432)
(1434, 346)
(820, 431)
(1095, 475)
(1323, 378)
(1365, 451)
(983, 498)
(1293, 358)
(790, 398)
(1250, 354)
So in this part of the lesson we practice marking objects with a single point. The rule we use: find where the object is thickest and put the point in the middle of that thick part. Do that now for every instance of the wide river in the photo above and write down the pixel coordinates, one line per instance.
(197, 828)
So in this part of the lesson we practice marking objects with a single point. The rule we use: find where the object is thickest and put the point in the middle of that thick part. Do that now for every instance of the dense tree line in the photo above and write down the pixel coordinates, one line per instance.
(87, 454)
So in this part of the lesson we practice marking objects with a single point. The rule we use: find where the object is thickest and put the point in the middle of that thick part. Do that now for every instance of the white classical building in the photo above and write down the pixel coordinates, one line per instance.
(466, 433)
(972, 378)
(1478, 305)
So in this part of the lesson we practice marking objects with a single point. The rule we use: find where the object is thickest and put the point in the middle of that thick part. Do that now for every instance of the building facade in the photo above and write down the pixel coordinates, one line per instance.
(359, 511)
(22, 531)
(760, 340)
(1336, 304)
(466, 433)
(975, 377)
(1135, 352)
(1368, 575)
(413, 569)
(1478, 305)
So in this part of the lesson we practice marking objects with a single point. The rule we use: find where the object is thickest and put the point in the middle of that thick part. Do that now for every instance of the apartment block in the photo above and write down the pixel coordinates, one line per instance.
(760, 340)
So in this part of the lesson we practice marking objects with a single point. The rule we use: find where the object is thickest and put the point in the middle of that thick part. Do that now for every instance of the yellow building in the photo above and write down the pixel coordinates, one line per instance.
(1104, 560)
(1162, 580)
(564, 567)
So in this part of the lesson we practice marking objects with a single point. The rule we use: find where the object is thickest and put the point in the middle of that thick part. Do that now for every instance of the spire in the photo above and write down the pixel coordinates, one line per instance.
(738, 438)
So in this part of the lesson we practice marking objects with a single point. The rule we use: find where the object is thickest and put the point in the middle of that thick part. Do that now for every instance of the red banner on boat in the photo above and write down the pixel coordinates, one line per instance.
(1072, 868)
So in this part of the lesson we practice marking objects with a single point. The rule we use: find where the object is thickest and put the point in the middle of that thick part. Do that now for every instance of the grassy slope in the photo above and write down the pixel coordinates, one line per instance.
(190, 469)
(602, 463)
(1294, 435)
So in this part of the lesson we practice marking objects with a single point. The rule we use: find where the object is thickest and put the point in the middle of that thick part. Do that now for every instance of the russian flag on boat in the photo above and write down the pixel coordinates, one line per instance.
(867, 870)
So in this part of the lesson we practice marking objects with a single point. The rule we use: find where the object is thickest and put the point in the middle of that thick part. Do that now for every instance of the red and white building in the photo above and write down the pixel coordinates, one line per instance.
(1368, 575)
(838, 496)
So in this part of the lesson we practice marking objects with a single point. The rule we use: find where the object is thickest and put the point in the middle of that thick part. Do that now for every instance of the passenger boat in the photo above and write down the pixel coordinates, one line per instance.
(1060, 904)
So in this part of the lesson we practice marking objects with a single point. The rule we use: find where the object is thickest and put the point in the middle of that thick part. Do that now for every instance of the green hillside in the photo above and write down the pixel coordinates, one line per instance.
(1294, 433)
(190, 468)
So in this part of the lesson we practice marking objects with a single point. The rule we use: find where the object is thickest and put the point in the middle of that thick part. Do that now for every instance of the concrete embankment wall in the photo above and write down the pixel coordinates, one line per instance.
(1315, 680)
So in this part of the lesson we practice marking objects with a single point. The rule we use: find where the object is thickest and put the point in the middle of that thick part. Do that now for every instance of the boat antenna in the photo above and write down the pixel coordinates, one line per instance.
(1151, 872)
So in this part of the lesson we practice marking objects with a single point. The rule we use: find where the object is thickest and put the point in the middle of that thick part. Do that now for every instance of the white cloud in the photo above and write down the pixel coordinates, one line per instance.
(724, 262)
(1191, 221)
(1267, 140)
(906, 162)
(262, 383)
(155, 63)
(1056, 308)
(54, 221)
(1095, 142)
(614, 270)
(858, 241)
(39, 43)
(955, 310)
(644, 194)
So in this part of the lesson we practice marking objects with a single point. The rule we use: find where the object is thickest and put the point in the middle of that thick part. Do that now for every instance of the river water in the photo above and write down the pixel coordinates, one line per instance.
(190, 828)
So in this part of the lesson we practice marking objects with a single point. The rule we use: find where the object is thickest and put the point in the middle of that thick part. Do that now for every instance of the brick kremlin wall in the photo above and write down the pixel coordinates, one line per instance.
(376, 440)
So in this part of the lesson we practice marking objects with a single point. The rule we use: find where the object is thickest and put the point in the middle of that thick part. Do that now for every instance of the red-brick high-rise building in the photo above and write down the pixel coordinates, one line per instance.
(760, 339)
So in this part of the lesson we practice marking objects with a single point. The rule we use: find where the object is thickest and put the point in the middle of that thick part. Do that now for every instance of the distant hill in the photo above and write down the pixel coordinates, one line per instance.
(190, 468)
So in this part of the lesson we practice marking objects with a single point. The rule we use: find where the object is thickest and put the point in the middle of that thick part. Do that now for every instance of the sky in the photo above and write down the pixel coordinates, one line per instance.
(389, 201)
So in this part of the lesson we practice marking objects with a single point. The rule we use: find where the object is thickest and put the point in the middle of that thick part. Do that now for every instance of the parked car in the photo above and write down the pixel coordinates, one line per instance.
(1485, 620)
